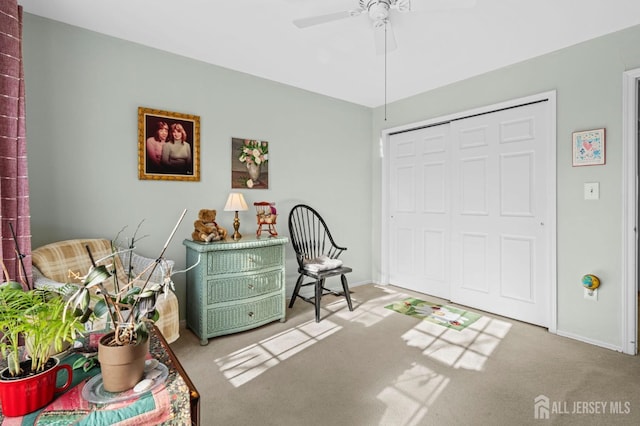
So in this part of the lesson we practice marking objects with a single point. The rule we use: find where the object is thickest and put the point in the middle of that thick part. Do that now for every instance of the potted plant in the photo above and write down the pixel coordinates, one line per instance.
(34, 321)
(130, 309)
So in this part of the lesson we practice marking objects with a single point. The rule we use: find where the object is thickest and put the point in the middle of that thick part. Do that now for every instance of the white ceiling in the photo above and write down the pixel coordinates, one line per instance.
(338, 59)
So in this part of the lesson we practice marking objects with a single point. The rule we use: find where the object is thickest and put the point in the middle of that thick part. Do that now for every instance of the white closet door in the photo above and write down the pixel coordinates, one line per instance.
(499, 240)
(468, 206)
(420, 223)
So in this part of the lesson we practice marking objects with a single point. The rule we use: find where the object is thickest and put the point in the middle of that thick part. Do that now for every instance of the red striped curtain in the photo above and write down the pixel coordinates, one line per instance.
(15, 247)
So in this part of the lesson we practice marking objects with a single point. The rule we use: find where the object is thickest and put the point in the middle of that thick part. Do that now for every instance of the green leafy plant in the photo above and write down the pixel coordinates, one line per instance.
(40, 317)
(130, 305)
(86, 363)
(11, 324)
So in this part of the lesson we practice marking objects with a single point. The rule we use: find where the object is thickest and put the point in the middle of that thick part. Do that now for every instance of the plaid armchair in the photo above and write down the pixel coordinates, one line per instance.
(54, 265)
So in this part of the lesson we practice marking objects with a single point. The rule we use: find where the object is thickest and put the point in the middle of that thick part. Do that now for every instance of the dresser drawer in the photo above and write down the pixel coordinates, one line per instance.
(243, 315)
(243, 286)
(244, 260)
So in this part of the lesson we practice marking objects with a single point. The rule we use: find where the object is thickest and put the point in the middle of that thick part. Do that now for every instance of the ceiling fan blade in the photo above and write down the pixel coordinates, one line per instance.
(380, 31)
(322, 19)
(441, 5)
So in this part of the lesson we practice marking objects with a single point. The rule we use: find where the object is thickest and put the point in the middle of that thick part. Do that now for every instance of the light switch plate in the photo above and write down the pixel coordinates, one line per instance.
(592, 191)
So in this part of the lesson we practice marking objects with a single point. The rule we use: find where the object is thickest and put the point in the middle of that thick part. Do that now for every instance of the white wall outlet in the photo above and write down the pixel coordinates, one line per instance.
(592, 191)
(591, 294)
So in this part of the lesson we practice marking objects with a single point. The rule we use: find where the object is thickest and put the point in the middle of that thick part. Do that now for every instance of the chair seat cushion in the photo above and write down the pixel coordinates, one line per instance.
(321, 263)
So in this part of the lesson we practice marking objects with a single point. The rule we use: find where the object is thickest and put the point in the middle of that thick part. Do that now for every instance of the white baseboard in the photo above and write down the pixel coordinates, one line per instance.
(590, 341)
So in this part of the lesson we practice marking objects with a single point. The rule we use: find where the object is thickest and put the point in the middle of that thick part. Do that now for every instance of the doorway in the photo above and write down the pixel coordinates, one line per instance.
(463, 218)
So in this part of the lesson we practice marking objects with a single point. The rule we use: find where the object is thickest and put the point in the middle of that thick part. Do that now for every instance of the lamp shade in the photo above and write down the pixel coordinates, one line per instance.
(236, 203)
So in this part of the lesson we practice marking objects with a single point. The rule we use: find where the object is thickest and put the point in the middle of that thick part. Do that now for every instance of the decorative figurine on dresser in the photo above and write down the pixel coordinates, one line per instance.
(236, 286)
(266, 215)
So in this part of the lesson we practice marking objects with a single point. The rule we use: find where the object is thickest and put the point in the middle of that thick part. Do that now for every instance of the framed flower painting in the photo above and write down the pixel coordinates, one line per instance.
(249, 163)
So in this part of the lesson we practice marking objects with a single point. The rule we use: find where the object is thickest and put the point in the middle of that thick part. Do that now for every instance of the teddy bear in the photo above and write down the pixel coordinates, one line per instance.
(206, 229)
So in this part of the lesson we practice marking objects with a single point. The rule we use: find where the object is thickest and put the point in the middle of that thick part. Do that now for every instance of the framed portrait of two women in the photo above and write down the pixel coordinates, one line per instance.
(168, 145)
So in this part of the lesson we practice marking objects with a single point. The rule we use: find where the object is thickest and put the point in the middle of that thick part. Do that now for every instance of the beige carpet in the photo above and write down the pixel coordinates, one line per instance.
(374, 366)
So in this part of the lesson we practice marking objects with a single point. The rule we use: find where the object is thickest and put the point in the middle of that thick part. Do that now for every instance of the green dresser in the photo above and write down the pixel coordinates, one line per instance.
(238, 285)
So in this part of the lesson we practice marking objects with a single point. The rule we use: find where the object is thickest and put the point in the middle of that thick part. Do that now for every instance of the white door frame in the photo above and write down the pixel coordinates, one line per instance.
(551, 187)
(629, 211)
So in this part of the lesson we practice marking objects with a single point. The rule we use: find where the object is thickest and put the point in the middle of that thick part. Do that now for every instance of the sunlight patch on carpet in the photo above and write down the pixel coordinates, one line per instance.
(365, 312)
(444, 315)
(248, 363)
(409, 398)
(467, 349)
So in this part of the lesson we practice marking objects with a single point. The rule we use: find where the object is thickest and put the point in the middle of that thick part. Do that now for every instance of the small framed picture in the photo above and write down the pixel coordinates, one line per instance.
(168, 145)
(589, 147)
(249, 163)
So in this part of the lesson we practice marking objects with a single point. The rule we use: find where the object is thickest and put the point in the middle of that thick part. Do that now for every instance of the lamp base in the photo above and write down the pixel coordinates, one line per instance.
(236, 225)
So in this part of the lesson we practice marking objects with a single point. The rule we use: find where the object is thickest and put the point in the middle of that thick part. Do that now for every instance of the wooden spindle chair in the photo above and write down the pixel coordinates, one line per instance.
(311, 240)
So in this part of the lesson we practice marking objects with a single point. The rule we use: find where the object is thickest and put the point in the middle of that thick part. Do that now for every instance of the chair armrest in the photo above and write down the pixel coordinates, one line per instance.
(42, 282)
(140, 263)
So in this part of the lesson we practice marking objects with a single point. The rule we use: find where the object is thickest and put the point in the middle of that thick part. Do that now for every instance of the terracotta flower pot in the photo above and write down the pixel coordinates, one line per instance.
(122, 367)
(21, 396)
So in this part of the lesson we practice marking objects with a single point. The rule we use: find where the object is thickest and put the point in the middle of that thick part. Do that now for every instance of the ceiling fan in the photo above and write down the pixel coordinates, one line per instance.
(379, 12)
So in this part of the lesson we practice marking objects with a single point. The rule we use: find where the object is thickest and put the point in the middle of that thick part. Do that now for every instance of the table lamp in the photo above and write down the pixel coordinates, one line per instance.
(236, 203)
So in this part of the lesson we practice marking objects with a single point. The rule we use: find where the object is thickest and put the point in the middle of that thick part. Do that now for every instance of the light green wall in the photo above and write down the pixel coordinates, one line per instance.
(83, 91)
(588, 81)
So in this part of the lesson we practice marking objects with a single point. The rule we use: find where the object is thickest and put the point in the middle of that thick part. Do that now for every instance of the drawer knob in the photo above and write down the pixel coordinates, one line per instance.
(251, 314)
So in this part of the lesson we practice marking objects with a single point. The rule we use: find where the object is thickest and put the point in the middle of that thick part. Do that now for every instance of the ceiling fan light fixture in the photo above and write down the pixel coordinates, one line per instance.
(377, 9)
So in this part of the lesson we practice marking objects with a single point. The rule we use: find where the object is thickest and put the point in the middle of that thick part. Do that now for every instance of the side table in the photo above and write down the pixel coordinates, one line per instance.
(236, 286)
(160, 349)
(182, 399)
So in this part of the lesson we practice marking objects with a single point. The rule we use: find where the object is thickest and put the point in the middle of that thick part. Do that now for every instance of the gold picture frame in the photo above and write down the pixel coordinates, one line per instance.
(168, 145)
